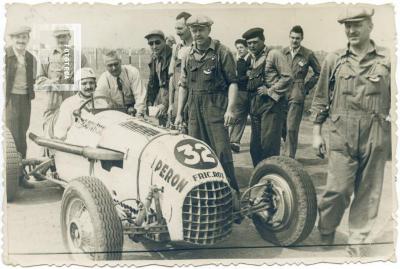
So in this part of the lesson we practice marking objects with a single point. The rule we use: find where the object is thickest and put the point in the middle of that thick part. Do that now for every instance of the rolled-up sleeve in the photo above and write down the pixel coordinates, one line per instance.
(278, 63)
(316, 68)
(102, 88)
(228, 65)
(320, 103)
(183, 78)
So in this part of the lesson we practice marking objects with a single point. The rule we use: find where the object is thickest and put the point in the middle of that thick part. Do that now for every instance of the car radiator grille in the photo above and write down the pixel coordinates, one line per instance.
(207, 213)
(144, 130)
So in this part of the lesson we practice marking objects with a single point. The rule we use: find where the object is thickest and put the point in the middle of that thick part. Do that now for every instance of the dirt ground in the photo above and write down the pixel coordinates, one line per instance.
(33, 235)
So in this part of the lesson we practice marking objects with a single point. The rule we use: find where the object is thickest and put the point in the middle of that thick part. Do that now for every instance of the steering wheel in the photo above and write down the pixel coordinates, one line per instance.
(110, 102)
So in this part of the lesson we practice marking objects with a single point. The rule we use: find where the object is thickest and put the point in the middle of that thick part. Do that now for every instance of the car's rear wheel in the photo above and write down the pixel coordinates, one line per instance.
(90, 225)
(294, 205)
(13, 166)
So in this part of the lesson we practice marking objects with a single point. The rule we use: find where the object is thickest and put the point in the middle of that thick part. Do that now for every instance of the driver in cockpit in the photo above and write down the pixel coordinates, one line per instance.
(87, 81)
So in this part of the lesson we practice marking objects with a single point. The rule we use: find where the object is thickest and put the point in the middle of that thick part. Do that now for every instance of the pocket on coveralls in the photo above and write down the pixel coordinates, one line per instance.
(336, 140)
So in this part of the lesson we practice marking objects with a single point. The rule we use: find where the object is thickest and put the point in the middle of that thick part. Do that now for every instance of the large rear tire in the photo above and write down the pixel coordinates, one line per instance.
(294, 198)
(13, 166)
(90, 225)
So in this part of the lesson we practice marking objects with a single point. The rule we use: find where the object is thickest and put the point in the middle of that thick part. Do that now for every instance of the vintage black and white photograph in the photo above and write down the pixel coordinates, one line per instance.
(187, 133)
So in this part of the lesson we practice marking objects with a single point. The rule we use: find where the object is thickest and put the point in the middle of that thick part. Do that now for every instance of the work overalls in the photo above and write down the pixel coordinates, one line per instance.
(207, 104)
(358, 143)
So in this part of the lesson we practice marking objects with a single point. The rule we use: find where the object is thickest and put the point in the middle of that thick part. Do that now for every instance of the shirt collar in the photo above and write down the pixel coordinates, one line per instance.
(20, 57)
(244, 58)
(372, 49)
(210, 47)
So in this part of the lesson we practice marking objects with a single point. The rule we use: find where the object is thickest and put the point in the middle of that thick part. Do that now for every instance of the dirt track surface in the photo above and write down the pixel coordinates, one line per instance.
(33, 220)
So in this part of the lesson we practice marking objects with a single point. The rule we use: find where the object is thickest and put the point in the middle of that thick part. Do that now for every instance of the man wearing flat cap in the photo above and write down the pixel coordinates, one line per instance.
(157, 87)
(56, 73)
(209, 85)
(353, 94)
(300, 60)
(178, 53)
(122, 84)
(20, 80)
(269, 80)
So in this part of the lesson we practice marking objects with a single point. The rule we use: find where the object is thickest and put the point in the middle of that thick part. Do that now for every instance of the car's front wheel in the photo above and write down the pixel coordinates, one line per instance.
(291, 195)
(90, 225)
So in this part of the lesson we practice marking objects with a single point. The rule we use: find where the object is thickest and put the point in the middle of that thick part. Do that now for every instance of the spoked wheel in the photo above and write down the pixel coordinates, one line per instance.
(291, 199)
(90, 225)
(13, 166)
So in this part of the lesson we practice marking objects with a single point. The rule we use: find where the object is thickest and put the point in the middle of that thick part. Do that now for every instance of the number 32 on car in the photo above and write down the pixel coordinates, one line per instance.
(195, 154)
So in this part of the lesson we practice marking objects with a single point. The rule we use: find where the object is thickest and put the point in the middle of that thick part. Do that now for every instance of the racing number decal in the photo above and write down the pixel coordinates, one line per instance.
(195, 154)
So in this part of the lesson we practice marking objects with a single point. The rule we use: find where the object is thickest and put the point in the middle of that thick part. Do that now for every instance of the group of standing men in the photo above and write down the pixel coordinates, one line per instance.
(198, 84)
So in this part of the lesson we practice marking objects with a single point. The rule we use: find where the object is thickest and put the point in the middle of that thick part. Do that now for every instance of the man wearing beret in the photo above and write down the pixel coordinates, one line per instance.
(353, 93)
(269, 80)
(301, 60)
(243, 62)
(157, 88)
(122, 84)
(178, 53)
(209, 85)
(56, 73)
(20, 80)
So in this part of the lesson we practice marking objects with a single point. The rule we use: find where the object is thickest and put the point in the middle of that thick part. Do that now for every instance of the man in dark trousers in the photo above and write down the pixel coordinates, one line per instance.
(353, 94)
(269, 80)
(300, 60)
(209, 84)
(20, 80)
(243, 63)
(157, 88)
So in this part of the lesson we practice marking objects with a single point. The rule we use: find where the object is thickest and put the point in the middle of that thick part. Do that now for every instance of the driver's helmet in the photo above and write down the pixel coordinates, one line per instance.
(85, 72)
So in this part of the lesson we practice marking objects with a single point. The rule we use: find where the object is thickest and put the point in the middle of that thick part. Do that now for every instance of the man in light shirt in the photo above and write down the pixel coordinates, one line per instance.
(178, 53)
(122, 84)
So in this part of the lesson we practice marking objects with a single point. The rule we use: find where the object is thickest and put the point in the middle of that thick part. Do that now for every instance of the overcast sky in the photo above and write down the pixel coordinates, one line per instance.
(125, 26)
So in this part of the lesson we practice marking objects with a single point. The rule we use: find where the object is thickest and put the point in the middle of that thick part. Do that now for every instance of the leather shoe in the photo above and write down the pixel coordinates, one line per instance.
(235, 147)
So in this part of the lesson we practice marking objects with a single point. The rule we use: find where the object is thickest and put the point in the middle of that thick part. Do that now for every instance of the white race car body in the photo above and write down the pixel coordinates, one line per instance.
(195, 197)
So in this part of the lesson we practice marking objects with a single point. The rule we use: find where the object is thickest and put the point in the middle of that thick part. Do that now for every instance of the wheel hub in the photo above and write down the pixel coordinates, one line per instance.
(80, 229)
(275, 191)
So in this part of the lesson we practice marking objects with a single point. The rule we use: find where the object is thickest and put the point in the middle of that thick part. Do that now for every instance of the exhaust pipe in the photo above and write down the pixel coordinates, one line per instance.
(87, 152)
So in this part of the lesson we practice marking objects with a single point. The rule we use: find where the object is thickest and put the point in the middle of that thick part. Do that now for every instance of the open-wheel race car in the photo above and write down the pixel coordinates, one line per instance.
(123, 175)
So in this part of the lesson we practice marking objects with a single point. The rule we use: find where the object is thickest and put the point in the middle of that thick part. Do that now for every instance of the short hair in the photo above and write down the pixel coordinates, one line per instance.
(241, 41)
(184, 15)
(297, 29)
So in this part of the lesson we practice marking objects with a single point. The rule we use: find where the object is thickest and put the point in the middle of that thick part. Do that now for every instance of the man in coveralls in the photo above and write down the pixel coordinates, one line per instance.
(209, 85)
(269, 80)
(300, 60)
(354, 94)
